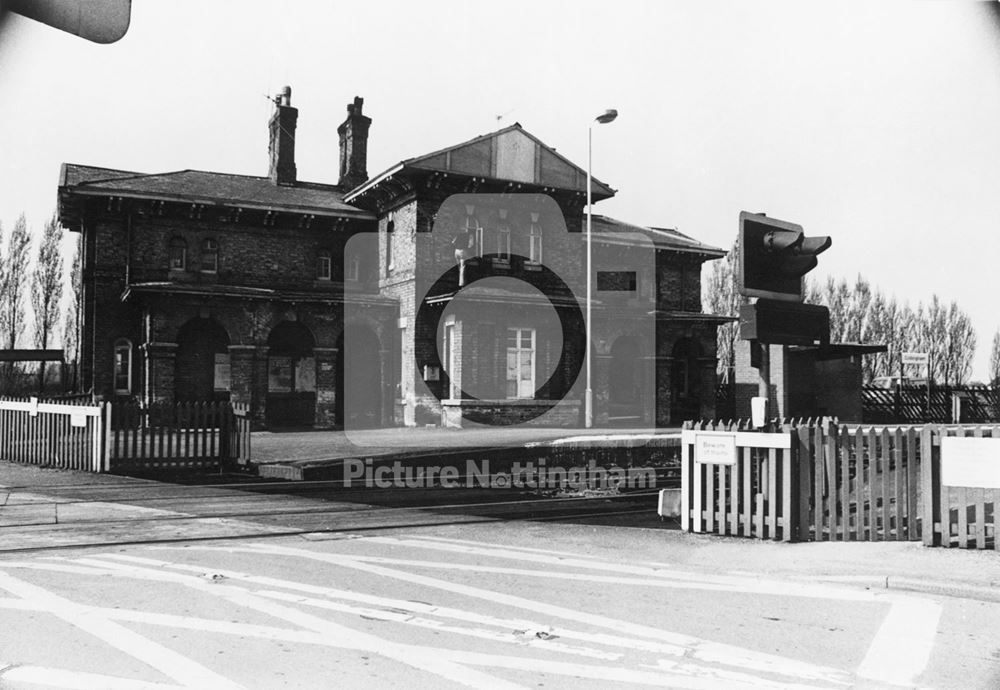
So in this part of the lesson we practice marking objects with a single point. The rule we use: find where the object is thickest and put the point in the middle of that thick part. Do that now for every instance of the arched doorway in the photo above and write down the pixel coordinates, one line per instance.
(291, 376)
(359, 379)
(685, 381)
(201, 366)
(625, 382)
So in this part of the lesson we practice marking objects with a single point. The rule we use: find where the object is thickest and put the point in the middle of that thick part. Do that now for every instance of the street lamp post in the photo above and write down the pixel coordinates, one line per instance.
(588, 396)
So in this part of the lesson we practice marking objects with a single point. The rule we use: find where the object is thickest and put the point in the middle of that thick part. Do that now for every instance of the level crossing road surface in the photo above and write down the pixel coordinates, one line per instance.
(123, 510)
(300, 446)
(423, 609)
(119, 583)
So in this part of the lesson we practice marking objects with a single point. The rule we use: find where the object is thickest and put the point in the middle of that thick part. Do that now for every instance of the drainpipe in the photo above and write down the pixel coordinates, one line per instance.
(128, 249)
(90, 248)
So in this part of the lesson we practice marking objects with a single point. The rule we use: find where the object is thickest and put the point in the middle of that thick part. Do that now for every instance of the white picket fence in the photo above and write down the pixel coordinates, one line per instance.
(62, 435)
(124, 437)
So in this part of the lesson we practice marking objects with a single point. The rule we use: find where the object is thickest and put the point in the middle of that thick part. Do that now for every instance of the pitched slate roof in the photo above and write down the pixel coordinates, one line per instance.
(618, 231)
(72, 174)
(198, 186)
(511, 154)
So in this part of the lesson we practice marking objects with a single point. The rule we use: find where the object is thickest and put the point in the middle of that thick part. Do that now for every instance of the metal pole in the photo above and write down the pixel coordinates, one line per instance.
(588, 396)
(927, 409)
(764, 385)
(898, 393)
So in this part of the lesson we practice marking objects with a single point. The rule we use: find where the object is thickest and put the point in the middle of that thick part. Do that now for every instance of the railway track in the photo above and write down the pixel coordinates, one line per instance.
(64, 515)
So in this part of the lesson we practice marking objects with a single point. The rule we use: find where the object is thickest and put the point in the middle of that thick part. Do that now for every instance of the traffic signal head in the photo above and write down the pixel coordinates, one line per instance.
(773, 257)
(100, 21)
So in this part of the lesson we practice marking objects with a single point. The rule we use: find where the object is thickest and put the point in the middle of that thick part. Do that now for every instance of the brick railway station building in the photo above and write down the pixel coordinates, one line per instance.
(330, 305)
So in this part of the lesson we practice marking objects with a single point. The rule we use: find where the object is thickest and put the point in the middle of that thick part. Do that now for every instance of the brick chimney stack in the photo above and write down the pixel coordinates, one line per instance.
(281, 148)
(354, 146)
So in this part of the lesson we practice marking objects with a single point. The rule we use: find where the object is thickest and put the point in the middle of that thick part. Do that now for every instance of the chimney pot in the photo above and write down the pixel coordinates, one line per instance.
(354, 145)
(281, 146)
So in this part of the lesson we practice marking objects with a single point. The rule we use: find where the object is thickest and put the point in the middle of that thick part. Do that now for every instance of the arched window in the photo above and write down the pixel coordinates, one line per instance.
(503, 237)
(353, 268)
(474, 229)
(178, 254)
(209, 256)
(390, 228)
(123, 367)
(535, 240)
(324, 265)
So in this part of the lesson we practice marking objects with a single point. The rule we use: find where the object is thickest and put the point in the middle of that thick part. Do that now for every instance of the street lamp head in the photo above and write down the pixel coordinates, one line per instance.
(607, 116)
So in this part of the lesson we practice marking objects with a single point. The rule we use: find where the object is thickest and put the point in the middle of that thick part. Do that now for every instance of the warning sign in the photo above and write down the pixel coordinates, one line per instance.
(715, 448)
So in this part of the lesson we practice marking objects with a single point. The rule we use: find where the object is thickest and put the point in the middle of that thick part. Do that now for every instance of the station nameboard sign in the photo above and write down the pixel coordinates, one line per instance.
(915, 358)
(715, 448)
(970, 462)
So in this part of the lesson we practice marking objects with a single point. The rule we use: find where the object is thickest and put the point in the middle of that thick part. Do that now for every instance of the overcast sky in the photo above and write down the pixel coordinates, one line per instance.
(877, 123)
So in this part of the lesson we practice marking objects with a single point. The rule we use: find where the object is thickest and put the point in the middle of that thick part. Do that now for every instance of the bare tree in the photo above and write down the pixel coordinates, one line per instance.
(3, 264)
(47, 288)
(13, 285)
(71, 326)
(722, 297)
(959, 346)
(863, 314)
(6, 370)
(836, 296)
(995, 360)
(857, 301)
(903, 329)
(879, 330)
(860, 313)
(932, 337)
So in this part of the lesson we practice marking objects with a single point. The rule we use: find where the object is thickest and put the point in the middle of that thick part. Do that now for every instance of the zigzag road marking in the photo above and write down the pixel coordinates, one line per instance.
(706, 581)
(898, 654)
(410, 607)
(166, 661)
(700, 649)
(75, 680)
(451, 664)
(425, 659)
(711, 583)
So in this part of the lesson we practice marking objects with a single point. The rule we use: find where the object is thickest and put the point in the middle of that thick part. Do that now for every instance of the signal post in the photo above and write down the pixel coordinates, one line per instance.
(774, 256)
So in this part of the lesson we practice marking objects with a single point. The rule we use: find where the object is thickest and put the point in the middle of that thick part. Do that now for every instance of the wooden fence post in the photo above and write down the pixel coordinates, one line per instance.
(898, 482)
(789, 487)
(801, 466)
(819, 480)
(105, 420)
(928, 497)
(96, 424)
(979, 514)
(685, 485)
(830, 460)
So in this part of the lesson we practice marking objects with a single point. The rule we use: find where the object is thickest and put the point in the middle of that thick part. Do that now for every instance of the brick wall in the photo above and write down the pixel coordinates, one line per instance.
(109, 320)
(283, 256)
(423, 252)
(748, 378)
(678, 281)
(801, 386)
(275, 257)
